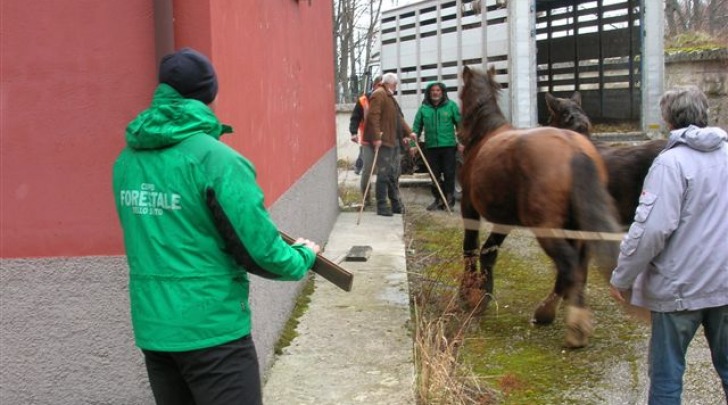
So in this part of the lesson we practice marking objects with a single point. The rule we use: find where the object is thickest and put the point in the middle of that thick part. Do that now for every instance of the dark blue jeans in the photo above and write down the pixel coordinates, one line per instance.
(672, 332)
(227, 374)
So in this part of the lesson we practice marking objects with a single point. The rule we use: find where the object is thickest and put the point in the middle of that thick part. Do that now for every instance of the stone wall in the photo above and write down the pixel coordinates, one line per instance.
(709, 71)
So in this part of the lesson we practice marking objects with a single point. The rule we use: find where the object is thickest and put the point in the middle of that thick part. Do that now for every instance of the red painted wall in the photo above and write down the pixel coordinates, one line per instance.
(274, 60)
(75, 73)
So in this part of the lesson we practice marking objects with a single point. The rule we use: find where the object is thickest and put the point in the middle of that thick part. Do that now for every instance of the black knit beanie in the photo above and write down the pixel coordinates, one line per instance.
(190, 73)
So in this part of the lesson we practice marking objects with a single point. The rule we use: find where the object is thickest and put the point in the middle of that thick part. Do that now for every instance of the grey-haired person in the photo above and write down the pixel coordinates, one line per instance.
(674, 259)
(357, 124)
(386, 130)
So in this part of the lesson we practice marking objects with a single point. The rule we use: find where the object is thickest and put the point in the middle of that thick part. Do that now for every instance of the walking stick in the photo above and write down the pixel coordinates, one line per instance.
(369, 183)
(434, 179)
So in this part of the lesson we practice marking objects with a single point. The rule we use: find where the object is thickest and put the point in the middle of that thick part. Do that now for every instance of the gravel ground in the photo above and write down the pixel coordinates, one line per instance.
(629, 383)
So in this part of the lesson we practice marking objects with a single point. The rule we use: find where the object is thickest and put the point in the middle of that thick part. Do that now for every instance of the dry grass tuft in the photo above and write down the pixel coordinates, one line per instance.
(441, 379)
(441, 325)
(440, 330)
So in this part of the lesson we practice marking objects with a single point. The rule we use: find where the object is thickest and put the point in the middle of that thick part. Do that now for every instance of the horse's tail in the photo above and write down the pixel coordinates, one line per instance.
(594, 211)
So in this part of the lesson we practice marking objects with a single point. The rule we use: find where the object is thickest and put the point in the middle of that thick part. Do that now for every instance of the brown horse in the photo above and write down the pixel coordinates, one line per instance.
(627, 166)
(540, 178)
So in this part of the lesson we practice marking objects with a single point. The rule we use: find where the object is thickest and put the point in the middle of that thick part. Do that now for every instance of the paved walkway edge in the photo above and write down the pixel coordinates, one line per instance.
(355, 347)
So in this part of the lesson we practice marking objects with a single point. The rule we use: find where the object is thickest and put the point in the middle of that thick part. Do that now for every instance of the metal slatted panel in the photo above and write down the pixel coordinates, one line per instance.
(592, 46)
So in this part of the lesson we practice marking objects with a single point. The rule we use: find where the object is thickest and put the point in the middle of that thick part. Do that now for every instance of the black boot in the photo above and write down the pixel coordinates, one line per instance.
(384, 210)
(450, 202)
(435, 205)
(397, 208)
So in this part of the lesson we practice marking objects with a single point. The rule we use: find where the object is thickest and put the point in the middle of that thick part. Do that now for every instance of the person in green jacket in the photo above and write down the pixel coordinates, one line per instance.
(439, 118)
(195, 225)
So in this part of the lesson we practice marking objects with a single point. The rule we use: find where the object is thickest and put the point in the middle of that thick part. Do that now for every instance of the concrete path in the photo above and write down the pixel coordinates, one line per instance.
(355, 347)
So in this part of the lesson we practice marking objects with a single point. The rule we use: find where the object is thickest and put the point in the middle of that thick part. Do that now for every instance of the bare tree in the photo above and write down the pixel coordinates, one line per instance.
(355, 28)
(704, 16)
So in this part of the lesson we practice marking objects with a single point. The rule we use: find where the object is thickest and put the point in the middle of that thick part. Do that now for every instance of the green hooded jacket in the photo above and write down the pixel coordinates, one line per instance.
(438, 122)
(195, 225)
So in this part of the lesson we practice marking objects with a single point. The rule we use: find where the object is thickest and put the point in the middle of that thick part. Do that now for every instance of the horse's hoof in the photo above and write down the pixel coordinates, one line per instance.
(473, 296)
(474, 300)
(546, 311)
(544, 315)
(542, 319)
(579, 327)
(576, 338)
(575, 342)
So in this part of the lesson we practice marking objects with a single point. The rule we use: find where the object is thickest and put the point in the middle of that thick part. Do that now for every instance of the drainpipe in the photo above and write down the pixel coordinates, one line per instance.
(163, 28)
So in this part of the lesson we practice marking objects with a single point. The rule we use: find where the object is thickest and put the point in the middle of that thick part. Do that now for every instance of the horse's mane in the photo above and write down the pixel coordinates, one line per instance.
(481, 113)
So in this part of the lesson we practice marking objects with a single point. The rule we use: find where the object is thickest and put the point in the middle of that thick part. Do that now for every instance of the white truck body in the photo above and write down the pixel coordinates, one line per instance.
(434, 39)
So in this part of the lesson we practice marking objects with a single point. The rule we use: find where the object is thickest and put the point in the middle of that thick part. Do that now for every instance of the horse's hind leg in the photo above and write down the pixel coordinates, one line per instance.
(579, 322)
(570, 260)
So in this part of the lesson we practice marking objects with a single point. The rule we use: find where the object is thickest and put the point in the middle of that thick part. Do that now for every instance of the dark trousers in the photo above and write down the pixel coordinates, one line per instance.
(443, 163)
(388, 171)
(222, 375)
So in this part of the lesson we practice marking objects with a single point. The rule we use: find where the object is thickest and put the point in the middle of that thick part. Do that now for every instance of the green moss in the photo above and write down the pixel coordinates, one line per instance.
(527, 363)
(289, 331)
(692, 42)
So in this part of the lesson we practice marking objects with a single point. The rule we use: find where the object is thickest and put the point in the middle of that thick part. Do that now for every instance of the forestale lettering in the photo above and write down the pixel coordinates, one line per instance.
(149, 202)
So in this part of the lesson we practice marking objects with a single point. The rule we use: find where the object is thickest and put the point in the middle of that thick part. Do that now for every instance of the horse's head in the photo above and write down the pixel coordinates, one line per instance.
(479, 99)
(479, 87)
(567, 113)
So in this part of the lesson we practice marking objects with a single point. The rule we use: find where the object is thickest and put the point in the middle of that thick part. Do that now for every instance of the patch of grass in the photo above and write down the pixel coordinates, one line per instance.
(350, 198)
(692, 42)
(289, 331)
(526, 364)
(344, 164)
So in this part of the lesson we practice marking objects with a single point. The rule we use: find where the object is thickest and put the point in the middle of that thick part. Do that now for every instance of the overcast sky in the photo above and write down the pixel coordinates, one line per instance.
(396, 3)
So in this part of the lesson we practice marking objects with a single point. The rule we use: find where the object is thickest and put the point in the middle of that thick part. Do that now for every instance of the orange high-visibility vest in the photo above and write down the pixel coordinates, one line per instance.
(364, 101)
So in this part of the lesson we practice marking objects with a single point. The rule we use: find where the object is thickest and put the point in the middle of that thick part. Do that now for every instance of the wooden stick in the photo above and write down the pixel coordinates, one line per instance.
(369, 183)
(434, 179)
(328, 269)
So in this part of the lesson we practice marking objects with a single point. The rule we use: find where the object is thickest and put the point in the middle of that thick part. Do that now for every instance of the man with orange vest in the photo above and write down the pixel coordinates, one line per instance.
(365, 160)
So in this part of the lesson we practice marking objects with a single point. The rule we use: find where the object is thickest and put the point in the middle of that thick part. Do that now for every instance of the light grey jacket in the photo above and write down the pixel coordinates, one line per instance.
(675, 255)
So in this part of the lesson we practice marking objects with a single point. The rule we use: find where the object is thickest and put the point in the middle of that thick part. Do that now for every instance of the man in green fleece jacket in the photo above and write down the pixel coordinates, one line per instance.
(195, 225)
(439, 117)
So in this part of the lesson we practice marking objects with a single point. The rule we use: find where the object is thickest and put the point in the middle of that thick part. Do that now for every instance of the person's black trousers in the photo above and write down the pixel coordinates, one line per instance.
(227, 374)
(443, 162)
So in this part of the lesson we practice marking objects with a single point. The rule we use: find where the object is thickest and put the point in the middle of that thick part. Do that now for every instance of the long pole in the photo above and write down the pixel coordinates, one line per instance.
(434, 179)
(369, 183)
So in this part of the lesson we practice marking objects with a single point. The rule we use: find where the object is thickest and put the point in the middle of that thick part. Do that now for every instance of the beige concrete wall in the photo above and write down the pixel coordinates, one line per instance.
(709, 71)
(345, 148)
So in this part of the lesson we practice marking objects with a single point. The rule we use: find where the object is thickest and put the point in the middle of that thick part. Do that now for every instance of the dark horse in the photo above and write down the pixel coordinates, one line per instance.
(539, 178)
(627, 166)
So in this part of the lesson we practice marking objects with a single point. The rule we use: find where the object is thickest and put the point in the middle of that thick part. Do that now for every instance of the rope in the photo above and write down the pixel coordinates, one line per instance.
(477, 225)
